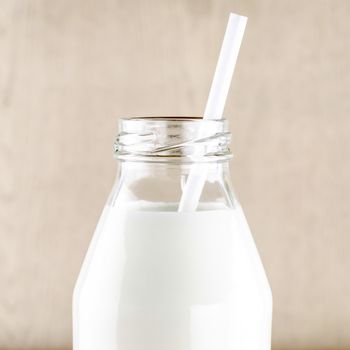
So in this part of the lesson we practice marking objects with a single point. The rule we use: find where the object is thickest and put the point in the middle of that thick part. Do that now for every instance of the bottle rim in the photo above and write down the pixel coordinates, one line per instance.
(181, 139)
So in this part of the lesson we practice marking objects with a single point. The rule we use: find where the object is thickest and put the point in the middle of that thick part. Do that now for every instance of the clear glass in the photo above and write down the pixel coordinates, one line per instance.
(155, 278)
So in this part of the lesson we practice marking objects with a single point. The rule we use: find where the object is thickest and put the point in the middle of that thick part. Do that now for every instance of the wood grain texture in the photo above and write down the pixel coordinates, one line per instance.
(68, 69)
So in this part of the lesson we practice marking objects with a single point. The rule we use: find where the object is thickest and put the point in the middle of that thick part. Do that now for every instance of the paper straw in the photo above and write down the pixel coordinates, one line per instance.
(216, 103)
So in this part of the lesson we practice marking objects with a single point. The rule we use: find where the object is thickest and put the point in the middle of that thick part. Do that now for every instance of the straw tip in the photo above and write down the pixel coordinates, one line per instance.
(235, 16)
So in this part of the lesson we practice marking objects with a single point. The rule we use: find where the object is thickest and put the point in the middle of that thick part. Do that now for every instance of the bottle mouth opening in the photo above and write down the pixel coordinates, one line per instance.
(173, 139)
(166, 118)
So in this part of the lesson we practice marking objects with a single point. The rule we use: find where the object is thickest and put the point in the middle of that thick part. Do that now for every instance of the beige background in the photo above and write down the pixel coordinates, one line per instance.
(68, 69)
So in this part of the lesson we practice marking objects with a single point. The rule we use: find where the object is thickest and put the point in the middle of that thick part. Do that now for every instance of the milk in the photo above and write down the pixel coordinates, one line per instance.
(156, 279)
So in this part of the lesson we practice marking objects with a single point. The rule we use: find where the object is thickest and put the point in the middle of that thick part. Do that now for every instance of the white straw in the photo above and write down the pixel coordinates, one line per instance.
(216, 103)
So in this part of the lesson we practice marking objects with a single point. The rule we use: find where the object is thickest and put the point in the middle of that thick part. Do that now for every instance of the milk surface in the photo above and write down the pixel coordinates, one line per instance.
(157, 279)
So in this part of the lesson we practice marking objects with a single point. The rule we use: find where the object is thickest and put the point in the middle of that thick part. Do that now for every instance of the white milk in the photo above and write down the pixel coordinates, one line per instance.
(155, 279)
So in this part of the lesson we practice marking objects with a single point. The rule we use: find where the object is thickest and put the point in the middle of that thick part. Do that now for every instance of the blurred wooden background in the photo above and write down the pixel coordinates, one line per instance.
(68, 69)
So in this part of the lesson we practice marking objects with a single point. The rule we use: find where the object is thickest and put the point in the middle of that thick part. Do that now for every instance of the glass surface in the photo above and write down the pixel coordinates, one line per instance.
(155, 278)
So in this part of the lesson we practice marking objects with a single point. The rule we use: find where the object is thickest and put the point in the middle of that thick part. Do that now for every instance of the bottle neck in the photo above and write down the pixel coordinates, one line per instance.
(173, 139)
(155, 184)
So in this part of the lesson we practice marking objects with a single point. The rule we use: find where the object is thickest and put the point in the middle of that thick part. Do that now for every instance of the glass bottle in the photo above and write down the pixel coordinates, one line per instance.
(155, 278)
